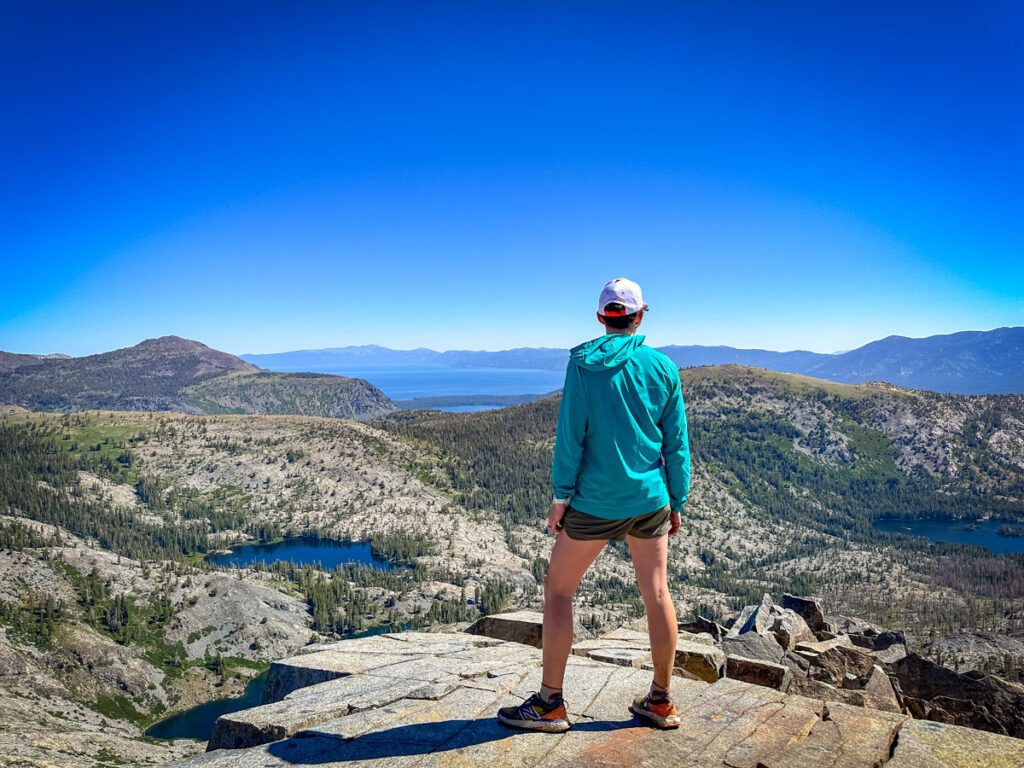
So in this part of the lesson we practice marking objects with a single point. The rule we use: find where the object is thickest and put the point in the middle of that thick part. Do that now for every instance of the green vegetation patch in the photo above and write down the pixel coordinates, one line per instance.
(102, 443)
(119, 708)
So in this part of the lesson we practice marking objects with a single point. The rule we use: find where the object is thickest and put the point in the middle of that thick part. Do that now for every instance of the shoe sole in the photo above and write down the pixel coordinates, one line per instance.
(665, 723)
(546, 726)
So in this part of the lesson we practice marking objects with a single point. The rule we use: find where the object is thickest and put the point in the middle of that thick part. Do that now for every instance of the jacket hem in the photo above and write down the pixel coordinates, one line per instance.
(620, 513)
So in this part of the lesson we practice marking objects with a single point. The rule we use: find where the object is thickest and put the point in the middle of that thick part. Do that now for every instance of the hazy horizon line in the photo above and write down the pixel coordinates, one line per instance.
(509, 349)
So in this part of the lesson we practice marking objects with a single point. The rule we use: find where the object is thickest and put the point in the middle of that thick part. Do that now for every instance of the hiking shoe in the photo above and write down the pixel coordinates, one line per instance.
(660, 715)
(535, 714)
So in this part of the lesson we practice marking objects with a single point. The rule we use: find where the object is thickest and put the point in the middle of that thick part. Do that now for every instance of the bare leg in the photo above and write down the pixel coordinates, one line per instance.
(570, 559)
(650, 561)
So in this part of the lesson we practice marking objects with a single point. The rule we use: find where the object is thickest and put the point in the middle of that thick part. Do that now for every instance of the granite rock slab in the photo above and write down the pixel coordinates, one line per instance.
(434, 704)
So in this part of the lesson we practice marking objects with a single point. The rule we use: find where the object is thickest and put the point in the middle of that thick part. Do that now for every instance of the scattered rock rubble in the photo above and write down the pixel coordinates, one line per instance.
(852, 661)
(428, 699)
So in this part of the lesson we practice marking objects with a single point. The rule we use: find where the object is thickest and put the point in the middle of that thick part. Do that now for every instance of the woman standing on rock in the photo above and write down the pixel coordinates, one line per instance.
(621, 471)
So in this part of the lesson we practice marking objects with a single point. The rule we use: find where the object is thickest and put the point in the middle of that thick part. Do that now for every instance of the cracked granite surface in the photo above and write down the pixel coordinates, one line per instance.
(424, 699)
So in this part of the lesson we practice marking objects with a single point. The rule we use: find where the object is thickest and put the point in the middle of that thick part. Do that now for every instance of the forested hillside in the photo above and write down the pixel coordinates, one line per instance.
(111, 618)
(789, 469)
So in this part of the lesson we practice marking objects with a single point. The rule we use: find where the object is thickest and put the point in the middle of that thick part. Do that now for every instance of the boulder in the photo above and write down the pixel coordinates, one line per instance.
(628, 634)
(702, 638)
(524, 627)
(820, 646)
(934, 692)
(702, 625)
(697, 632)
(753, 618)
(751, 645)
(816, 689)
(625, 652)
(705, 662)
(696, 655)
(789, 629)
(848, 667)
(808, 609)
(797, 663)
(889, 647)
(879, 693)
(862, 633)
(758, 672)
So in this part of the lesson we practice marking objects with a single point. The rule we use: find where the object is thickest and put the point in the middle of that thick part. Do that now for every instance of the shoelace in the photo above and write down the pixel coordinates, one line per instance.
(648, 703)
(527, 707)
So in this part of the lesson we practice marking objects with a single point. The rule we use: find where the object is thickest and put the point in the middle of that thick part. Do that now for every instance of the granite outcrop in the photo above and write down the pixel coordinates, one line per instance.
(425, 699)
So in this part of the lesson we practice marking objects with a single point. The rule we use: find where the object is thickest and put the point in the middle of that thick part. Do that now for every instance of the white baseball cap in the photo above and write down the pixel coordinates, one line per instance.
(621, 291)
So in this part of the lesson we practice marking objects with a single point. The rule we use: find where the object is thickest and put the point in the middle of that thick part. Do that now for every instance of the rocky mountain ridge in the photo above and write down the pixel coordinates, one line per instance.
(174, 374)
(9, 361)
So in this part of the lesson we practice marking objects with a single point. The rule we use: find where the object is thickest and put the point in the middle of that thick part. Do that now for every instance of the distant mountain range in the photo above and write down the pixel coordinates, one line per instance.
(373, 356)
(171, 373)
(175, 374)
(967, 363)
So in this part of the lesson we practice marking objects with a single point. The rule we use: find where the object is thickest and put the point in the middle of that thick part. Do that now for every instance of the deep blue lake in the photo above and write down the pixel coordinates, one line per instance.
(302, 550)
(407, 383)
(197, 723)
(466, 408)
(956, 531)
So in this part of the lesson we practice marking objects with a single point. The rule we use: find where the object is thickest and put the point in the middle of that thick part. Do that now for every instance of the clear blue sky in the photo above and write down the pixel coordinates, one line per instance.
(265, 176)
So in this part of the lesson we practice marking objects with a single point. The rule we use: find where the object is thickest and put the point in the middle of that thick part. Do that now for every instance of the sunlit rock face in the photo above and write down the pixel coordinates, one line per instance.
(430, 699)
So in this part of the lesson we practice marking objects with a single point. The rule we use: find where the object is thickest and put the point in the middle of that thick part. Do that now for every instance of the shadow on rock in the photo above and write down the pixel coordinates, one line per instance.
(312, 746)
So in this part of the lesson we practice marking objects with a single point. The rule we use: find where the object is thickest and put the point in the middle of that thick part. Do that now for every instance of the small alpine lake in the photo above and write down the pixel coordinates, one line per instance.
(197, 723)
(304, 550)
(978, 533)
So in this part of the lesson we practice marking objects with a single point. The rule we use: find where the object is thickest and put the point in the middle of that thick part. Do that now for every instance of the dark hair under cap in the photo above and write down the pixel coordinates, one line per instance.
(618, 322)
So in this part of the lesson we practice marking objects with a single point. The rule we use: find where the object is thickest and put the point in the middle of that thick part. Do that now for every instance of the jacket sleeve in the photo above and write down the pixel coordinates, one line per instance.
(572, 426)
(675, 445)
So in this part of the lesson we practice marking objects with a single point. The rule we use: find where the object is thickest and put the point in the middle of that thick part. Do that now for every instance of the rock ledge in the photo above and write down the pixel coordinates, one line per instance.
(429, 699)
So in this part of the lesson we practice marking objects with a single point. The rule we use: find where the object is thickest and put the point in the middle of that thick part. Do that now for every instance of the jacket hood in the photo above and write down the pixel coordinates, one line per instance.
(609, 351)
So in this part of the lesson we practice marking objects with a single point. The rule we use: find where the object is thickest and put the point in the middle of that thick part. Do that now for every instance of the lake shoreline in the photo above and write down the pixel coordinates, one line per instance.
(977, 532)
(303, 550)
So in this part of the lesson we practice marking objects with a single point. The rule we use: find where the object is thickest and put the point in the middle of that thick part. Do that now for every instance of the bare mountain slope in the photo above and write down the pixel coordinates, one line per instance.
(175, 374)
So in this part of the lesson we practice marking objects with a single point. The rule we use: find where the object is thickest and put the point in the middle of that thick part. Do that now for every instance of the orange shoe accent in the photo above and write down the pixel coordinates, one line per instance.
(558, 713)
(661, 715)
(668, 709)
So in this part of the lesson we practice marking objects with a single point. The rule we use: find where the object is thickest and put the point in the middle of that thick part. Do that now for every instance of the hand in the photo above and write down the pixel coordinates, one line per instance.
(555, 517)
(676, 522)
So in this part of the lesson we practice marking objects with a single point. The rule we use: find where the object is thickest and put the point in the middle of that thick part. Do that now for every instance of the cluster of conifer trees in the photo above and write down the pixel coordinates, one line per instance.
(16, 536)
(40, 481)
(494, 459)
(400, 546)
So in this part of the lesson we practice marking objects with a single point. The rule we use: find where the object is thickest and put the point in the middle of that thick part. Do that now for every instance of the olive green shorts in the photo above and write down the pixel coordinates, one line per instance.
(579, 525)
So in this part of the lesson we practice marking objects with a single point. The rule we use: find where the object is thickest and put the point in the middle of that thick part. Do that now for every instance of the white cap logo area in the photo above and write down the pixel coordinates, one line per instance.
(621, 291)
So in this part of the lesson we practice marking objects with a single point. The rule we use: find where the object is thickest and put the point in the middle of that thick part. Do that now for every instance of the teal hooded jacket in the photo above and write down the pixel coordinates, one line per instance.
(621, 445)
